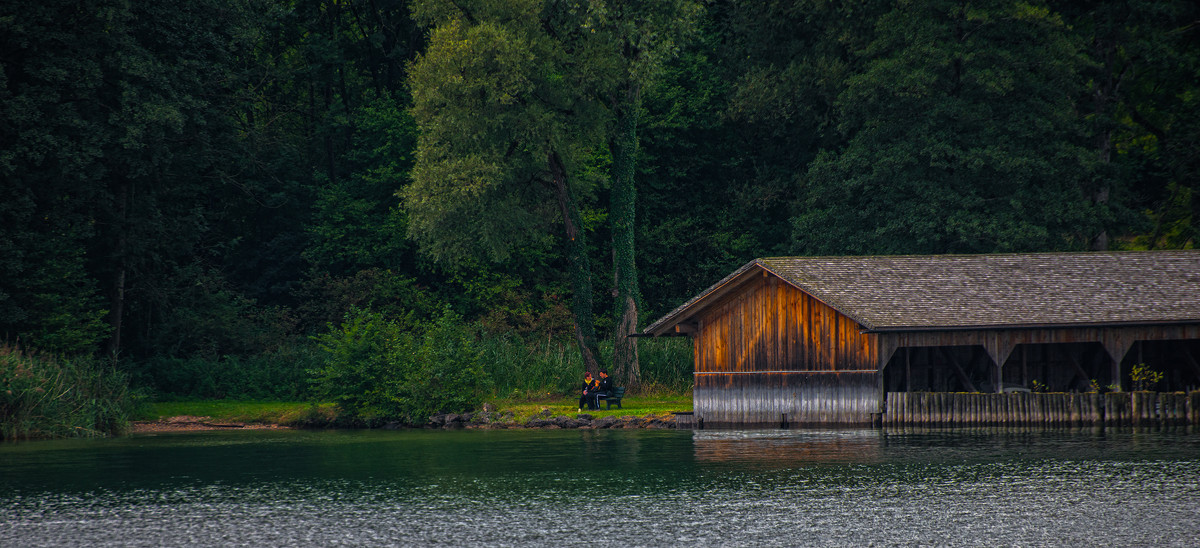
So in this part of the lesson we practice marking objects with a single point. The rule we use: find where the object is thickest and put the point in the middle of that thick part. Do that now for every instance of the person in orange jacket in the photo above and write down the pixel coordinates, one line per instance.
(588, 396)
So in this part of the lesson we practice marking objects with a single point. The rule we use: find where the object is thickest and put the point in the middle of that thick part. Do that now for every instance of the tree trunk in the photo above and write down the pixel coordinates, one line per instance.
(1105, 92)
(117, 314)
(623, 212)
(581, 271)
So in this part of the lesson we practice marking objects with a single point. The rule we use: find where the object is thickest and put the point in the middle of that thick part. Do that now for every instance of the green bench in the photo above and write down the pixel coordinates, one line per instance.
(615, 397)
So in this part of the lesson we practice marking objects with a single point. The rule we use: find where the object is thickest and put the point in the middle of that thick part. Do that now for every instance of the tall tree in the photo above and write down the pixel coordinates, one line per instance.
(1139, 102)
(640, 37)
(506, 130)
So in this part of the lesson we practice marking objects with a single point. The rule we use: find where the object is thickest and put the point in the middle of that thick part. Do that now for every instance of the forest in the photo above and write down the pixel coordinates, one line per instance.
(405, 206)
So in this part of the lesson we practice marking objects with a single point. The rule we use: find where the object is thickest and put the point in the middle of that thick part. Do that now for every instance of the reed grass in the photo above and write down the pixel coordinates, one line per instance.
(45, 396)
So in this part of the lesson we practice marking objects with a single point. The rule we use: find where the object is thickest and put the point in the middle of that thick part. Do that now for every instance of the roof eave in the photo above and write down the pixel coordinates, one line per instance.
(1080, 325)
(665, 325)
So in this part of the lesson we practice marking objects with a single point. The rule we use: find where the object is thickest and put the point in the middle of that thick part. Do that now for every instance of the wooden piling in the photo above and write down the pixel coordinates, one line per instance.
(1042, 409)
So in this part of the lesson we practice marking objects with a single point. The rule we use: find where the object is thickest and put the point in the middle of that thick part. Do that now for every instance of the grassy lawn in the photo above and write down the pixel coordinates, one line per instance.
(631, 405)
(289, 412)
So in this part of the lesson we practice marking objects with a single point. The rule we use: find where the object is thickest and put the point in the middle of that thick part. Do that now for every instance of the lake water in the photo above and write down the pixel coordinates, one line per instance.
(605, 487)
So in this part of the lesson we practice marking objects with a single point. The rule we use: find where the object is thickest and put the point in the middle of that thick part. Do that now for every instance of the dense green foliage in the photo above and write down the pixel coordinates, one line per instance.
(196, 189)
(279, 375)
(960, 137)
(44, 396)
(377, 372)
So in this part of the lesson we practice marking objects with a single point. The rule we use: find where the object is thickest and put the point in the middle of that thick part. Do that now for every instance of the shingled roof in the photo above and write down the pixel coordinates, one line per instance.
(907, 292)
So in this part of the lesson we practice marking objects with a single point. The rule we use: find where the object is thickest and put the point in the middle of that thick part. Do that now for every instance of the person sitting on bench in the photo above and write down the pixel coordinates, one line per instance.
(588, 395)
(604, 388)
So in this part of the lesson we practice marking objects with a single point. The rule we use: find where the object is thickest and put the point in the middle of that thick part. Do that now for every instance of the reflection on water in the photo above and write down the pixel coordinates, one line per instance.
(552, 488)
(788, 447)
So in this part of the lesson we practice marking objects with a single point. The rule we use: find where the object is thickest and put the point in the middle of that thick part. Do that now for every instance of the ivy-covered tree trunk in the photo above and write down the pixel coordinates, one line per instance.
(580, 268)
(623, 212)
(117, 313)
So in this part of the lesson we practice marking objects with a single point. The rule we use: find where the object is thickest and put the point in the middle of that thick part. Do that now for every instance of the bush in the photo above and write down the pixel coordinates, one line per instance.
(1144, 378)
(376, 372)
(44, 396)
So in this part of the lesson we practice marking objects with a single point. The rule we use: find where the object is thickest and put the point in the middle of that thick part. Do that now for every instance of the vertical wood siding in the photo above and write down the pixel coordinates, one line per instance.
(786, 399)
(772, 326)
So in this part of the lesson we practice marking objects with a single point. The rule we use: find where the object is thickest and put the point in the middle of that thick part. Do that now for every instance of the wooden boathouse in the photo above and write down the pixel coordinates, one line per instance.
(830, 340)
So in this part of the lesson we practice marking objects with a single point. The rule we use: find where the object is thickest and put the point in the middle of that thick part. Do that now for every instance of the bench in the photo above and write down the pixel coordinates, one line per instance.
(615, 397)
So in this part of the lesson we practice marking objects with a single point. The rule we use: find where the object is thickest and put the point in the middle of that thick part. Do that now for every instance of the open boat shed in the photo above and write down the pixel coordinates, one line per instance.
(819, 340)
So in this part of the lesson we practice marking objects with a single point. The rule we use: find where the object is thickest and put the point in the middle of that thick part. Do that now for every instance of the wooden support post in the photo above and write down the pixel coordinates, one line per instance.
(998, 348)
(1116, 347)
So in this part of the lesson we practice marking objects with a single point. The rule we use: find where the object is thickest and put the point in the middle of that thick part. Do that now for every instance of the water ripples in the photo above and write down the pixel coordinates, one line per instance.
(762, 488)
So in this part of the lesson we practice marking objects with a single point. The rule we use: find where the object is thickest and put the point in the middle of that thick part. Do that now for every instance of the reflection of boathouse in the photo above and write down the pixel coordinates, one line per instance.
(819, 340)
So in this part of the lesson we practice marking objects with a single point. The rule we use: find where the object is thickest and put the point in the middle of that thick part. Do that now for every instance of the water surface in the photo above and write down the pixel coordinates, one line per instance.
(631, 487)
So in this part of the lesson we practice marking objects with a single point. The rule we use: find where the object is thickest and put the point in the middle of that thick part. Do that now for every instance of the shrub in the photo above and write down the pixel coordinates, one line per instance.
(1144, 378)
(447, 374)
(377, 372)
(46, 396)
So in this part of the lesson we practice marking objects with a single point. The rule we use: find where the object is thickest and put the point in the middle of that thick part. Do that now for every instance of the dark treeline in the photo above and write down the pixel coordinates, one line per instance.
(200, 182)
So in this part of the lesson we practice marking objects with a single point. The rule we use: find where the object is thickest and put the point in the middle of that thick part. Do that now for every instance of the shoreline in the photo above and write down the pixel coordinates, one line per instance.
(448, 421)
(188, 423)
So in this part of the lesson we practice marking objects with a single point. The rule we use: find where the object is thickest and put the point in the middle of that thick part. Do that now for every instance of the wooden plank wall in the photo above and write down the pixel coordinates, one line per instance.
(786, 399)
(768, 325)
(1049, 409)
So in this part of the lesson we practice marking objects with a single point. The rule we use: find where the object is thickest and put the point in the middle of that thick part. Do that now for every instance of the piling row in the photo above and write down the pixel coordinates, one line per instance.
(1033, 409)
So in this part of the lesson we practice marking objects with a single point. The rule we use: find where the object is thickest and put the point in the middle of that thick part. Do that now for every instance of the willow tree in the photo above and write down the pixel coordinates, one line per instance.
(503, 101)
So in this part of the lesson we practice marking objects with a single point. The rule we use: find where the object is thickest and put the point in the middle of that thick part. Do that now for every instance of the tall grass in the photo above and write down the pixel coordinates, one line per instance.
(666, 364)
(522, 369)
(43, 396)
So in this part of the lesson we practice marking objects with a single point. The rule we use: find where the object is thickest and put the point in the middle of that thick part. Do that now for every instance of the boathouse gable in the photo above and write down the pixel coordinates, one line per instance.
(770, 325)
(768, 353)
